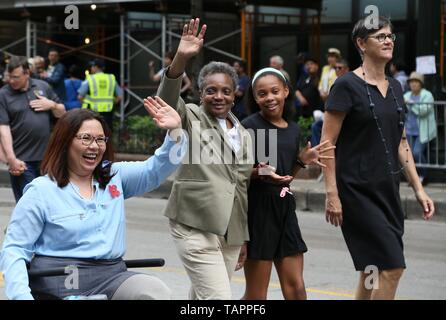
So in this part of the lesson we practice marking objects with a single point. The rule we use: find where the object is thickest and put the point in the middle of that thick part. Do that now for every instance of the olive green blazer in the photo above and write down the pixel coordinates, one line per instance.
(209, 192)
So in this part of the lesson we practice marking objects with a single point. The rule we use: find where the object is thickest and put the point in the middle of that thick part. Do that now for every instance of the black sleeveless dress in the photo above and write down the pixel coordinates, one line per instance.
(373, 219)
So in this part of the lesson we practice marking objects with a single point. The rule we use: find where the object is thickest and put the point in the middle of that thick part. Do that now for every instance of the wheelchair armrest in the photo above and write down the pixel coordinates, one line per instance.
(46, 273)
(138, 263)
(144, 263)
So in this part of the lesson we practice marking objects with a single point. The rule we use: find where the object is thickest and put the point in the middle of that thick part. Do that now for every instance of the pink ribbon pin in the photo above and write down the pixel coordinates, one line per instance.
(284, 191)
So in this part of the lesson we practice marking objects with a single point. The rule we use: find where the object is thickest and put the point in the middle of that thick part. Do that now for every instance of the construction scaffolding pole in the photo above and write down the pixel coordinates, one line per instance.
(243, 33)
(122, 69)
(163, 37)
(31, 38)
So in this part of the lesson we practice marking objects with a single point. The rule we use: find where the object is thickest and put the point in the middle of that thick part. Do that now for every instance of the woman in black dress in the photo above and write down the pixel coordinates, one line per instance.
(273, 228)
(365, 119)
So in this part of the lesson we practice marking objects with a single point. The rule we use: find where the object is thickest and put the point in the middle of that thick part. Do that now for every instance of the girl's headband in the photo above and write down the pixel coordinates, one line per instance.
(269, 69)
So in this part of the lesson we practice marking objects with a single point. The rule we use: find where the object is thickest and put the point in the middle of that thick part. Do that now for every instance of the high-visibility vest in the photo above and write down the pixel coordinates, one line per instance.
(101, 92)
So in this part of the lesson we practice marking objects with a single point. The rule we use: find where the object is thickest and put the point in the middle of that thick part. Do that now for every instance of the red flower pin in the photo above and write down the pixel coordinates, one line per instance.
(114, 190)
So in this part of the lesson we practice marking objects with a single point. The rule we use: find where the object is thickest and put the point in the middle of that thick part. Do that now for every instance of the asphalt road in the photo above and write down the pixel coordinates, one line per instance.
(328, 272)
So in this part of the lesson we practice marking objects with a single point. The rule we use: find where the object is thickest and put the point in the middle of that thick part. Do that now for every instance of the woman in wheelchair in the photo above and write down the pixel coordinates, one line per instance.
(74, 215)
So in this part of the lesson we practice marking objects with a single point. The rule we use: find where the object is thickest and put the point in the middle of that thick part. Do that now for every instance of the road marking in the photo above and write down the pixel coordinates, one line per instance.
(272, 284)
(235, 279)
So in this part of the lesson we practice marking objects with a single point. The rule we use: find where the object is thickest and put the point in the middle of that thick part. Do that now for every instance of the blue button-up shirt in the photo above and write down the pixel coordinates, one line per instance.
(57, 222)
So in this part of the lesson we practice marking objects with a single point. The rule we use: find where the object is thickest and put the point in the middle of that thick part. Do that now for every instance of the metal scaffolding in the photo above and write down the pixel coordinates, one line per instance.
(171, 27)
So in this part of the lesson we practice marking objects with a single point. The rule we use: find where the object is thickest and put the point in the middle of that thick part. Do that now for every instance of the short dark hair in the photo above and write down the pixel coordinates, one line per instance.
(55, 160)
(242, 64)
(53, 50)
(343, 62)
(311, 59)
(17, 62)
(362, 31)
(98, 63)
(74, 71)
(399, 65)
(214, 67)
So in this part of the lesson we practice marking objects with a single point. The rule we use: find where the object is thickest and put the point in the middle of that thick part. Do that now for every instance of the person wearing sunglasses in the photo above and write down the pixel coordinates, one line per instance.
(341, 67)
(73, 215)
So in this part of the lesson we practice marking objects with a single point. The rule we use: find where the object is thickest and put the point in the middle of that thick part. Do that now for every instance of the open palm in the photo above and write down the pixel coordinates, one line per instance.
(165, 116)
(314, 154)
(191, 40)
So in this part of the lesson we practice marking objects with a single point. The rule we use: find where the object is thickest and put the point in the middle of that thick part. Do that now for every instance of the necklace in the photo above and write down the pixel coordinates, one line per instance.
(77, 191)
(399, 109)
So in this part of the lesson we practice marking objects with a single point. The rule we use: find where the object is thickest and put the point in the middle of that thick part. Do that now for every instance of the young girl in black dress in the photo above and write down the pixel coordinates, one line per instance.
(273, 228)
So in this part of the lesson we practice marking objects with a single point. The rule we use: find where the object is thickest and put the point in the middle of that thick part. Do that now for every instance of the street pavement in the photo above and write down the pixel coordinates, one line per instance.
(328, 272)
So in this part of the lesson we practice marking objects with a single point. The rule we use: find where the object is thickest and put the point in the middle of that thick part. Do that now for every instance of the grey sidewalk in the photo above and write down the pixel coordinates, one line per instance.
(310, 195)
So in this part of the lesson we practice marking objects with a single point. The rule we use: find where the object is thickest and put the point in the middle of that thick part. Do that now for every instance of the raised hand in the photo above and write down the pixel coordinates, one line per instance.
(191, 40)
(165, 116)
(313, 154)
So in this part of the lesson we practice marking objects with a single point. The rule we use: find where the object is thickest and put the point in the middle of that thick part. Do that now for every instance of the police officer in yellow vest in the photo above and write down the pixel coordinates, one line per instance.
(100, 91)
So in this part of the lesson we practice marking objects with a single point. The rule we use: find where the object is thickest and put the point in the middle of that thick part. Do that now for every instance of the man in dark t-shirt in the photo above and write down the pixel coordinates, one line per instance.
(27, 107)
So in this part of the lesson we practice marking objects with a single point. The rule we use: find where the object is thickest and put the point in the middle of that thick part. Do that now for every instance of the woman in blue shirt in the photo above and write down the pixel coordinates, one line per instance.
(74, 214)
(72, 85)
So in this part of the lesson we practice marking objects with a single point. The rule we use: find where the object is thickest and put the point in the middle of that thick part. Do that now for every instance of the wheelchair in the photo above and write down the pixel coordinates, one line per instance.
(52, 272)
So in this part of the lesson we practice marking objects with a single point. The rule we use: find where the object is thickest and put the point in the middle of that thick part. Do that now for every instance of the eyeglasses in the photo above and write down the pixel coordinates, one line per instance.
(382, 37)
(87, 139)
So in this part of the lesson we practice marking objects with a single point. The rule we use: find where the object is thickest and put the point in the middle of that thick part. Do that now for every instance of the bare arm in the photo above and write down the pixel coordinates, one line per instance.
(154, 77)
(301, 98)
(6, 140)
(58, 110)
(330, 131)
(186, 84)
(410, 171)
(16, 166)
(2, 154)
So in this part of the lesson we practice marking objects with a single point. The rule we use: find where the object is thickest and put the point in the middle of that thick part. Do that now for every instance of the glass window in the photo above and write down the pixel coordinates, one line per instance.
(278, 10)
(395, 9)
(285, 46)
(336, 11)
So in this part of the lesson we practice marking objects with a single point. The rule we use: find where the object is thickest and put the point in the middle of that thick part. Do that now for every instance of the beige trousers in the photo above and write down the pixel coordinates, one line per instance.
(208, 259)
